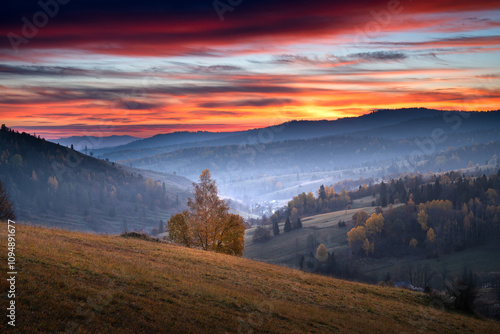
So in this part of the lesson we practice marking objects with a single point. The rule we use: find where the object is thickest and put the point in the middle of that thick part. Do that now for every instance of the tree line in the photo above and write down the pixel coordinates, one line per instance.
(414, 214)
(445, 213)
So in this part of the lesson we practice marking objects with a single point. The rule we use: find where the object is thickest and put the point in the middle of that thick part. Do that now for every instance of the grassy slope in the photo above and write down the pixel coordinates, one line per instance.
(70, 281)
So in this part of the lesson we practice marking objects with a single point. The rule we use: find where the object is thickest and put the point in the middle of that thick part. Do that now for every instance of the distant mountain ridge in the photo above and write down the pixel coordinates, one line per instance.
(174, 138)
(387, 123)
(296, 129)
(94, 142)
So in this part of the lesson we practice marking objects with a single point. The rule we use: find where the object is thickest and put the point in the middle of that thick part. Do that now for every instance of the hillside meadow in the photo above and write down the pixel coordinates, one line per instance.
(75, 282)
(286, 248)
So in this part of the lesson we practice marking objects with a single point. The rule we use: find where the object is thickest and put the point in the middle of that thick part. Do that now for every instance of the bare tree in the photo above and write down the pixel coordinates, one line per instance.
(420, 275)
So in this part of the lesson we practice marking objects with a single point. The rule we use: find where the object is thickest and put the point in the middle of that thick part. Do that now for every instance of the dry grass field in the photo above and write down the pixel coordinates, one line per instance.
(75, 282)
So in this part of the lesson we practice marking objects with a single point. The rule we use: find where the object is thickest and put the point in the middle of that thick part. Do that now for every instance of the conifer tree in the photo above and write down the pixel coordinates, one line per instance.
(383, 194)
(276, 228)
(288, 225)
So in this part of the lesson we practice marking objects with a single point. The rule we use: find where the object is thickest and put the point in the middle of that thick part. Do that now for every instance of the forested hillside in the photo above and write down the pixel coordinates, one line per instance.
(54, 185)
(444, 214)
(439, 214)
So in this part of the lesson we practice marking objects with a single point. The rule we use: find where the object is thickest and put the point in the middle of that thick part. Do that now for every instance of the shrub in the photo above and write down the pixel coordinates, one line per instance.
(138, 235)
(261, 234)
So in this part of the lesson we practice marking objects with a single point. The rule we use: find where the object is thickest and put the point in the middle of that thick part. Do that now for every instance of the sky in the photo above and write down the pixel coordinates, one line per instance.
(86, 67)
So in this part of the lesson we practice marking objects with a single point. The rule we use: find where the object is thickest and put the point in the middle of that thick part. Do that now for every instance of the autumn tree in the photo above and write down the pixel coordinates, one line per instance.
(321, 253)
(431, 236)
(360, 218)
(492, 196)
(178, 229)
(413, 243)
(53, 183)
(374, 224)
(231, 239)
(422, 219)
(310, 203)
(207, 222)
(368, 247)
(356, 237)
(6, 206)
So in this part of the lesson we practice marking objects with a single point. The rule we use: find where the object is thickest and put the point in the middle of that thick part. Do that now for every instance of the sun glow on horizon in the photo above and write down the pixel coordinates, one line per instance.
(161, 73)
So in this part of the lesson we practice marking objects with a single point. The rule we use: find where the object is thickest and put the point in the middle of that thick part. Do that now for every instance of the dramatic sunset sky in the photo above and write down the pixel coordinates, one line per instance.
(147, 67)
